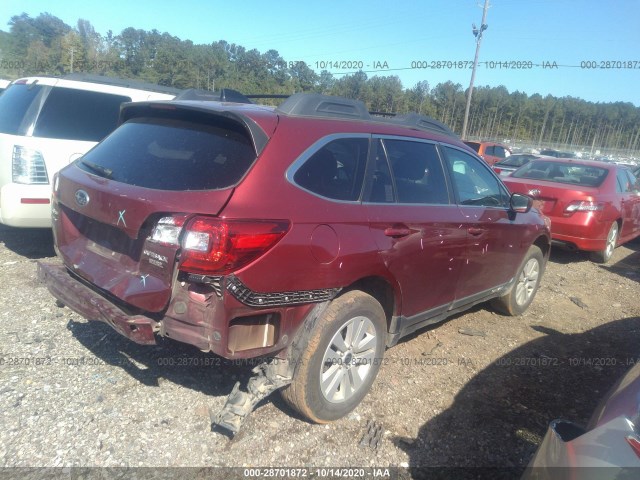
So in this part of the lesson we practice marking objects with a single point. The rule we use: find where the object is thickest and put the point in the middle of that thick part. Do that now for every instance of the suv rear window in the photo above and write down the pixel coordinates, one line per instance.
(14, 104)
(73, 114)
(172, 155)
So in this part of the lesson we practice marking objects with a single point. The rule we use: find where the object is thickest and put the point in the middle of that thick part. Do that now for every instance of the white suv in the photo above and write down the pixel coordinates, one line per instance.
(46, 123)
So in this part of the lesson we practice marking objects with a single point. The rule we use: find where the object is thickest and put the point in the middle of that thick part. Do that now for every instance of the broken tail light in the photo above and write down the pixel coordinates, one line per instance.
(217, 246)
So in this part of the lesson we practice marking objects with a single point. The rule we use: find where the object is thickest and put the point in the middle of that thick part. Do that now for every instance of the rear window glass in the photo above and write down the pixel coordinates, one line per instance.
(78, 114)
(575, 174)
(14, 104)
(172, 155)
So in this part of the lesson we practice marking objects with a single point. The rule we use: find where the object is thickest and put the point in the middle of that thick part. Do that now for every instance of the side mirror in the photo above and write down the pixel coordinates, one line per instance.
(520, 203)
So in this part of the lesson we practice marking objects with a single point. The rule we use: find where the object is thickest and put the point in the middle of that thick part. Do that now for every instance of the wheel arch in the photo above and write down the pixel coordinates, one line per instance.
(380, 289)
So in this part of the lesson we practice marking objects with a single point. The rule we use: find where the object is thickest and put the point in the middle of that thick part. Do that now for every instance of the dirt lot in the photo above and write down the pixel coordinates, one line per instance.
(75, 393)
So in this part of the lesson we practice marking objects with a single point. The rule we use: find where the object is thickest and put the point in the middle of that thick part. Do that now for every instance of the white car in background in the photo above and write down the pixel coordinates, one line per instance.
(46, 123)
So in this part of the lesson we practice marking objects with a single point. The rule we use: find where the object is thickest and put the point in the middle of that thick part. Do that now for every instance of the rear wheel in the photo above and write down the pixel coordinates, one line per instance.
(524, 289)
(340, 360)
(603, 256)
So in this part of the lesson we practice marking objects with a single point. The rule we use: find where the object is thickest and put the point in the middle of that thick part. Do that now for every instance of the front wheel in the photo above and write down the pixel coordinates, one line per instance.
(603, 256)
(340, 360)
(524, 289)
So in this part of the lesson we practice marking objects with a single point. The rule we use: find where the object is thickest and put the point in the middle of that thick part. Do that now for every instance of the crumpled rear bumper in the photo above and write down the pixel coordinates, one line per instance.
(90, 304)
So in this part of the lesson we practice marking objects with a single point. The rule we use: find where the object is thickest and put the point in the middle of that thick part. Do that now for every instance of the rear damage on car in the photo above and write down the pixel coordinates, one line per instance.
(137, 225)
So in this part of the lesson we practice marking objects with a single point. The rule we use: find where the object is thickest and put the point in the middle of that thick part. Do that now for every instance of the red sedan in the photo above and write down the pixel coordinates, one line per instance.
(593, 206)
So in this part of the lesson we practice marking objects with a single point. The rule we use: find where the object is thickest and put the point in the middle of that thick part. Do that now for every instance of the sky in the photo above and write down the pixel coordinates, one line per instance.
(590, 48)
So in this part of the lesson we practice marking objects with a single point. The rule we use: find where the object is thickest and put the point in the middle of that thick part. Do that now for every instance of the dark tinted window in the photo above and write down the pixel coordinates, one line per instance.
(14, 103)
(417, 172)
(474, 145)
(336, 170)
(172, 155)
(473, 182)
(78, 114)
(490, 150)
(572, 173)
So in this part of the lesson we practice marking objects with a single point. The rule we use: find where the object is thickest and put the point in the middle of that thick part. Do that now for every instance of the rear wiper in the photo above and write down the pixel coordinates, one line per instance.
(99, 169)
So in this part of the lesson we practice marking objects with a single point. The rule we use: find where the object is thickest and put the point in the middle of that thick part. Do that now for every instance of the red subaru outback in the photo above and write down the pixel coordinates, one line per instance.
(312, 235)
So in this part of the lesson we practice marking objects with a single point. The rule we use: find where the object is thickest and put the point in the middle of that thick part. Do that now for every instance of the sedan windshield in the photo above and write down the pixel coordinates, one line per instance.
(575, 174)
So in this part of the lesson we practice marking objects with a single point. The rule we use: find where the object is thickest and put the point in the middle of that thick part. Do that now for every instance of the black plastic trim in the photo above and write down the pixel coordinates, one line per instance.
(276, 299)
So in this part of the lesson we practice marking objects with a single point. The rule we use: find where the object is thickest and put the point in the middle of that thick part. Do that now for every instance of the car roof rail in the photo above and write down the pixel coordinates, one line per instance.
(421, 122)
(316, 105)
(325, 106)
(122, 82)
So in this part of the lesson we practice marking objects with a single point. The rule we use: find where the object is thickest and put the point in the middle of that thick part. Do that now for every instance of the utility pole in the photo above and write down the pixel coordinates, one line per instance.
(477, 32)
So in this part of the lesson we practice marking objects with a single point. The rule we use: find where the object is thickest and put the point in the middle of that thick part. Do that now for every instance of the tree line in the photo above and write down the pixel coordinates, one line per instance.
(45, 45)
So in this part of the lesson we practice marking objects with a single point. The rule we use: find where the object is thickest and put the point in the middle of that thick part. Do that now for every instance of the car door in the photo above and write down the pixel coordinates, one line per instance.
(415, 224)
(495, 236)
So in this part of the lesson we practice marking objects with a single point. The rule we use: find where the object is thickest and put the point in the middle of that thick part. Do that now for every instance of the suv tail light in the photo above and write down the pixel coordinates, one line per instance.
(213, 245)
(28, 166)
(584, 206)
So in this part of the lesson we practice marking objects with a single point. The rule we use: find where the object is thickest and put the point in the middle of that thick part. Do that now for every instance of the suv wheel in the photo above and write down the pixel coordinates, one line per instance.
(341, 359)
(603, 256)
(524, 289)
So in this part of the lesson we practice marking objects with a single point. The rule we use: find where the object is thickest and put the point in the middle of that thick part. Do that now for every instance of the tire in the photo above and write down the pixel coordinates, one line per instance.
(348, 376)
(518, 299)
(603, 256)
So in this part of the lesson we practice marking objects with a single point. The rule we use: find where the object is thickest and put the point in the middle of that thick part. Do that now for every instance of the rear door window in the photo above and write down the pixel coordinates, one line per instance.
(73, 114)
(173, 154)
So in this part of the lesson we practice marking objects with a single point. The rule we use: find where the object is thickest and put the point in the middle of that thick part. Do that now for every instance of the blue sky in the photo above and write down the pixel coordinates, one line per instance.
(567, 32)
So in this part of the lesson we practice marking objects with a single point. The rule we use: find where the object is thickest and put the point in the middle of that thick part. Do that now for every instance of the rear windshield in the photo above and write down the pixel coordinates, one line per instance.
(14, 104)
(575, 174)
(73, 114)
(173, 155)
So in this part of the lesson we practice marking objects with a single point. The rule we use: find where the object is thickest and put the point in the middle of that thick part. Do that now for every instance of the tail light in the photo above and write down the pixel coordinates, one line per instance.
(584, 206)
(28, 166)
(217, 246)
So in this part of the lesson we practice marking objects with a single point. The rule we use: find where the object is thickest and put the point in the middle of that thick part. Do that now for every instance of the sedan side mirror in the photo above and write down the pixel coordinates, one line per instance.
(520, 203)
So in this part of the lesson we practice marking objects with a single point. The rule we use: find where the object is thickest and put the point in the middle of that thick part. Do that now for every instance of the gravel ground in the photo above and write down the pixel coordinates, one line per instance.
(75, 394)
